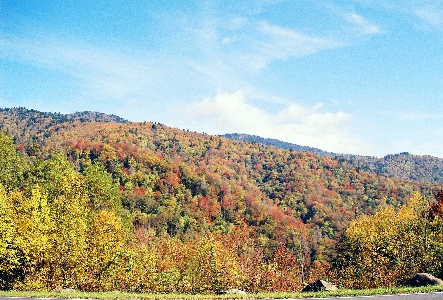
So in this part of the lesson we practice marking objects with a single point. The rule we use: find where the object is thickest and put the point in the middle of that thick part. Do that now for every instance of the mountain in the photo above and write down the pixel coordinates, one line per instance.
(20, 122)
(25, 126)
(276, 143)
(403, 165)
(54, 118)
(256, 180)
(276, 206)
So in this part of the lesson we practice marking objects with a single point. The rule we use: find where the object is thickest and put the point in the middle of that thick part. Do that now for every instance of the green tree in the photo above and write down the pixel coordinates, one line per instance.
(102, 192)
(12, 165)
(9, 256)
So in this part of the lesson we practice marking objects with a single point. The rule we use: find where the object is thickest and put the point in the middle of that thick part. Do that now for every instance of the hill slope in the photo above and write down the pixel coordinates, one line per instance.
(23, 124)
(182, 184)
(276, 143)
(402, 165)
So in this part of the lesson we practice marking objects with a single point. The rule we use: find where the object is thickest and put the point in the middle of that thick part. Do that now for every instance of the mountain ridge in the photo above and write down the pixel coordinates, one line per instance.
(47, 119)
(401, 165)
(29, 124)
(276, 143)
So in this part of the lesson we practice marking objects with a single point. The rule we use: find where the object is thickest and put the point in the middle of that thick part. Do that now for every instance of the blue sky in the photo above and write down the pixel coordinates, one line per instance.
(362, 77)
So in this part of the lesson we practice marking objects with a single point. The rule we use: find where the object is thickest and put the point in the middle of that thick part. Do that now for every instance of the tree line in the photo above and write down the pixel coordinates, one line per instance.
(190, 212)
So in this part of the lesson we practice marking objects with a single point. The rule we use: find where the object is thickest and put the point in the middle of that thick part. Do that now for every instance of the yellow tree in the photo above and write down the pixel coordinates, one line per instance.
(33, 228)
(385, 249)
(434, 234)
(106, 238)
(69, 253)
(212, 267)
(9, 256)
(67, 198)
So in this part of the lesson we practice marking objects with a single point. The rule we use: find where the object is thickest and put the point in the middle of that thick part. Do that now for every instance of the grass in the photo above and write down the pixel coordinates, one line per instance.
(280, 295)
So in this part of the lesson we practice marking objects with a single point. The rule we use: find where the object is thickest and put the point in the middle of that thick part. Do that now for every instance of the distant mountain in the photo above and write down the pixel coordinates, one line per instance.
(21, 123)
(276, 143)
(28, 126)
(84, 116)
(403, 165)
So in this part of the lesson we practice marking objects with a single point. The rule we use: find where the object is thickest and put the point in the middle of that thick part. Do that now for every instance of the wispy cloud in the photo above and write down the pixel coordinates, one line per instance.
(245, 43)
(104, 73)
(281, 43)
(363, 25)
(428, 12)
(432, 15)
(232, 112)
(230, 53)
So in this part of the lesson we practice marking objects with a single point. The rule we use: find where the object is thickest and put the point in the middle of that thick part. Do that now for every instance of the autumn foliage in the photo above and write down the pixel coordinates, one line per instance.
(61, 228)
(388, 248)
(100, 206)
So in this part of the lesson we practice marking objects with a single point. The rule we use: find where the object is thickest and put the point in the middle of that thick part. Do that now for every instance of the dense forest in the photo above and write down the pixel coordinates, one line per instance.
(402, 165)
(276, 143)
(93, 202)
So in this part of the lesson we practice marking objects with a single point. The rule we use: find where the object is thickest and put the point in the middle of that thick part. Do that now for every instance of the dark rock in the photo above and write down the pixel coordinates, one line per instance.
(422, 279)
(320, 285)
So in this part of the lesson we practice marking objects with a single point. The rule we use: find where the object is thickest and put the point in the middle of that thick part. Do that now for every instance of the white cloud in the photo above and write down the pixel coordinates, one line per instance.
(281, 43)
(432, 15)
(428, 11)
(244, 44)
(358, 26)
(227, 40)
(310, 126)
(365, 26)
(104, 74)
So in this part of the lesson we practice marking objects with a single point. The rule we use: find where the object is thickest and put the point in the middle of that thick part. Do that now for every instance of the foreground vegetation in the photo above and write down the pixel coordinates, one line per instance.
(140, 207)
(275, 295)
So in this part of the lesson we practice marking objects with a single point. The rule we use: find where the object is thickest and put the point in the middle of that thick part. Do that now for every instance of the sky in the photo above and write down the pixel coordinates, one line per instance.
(359, 76)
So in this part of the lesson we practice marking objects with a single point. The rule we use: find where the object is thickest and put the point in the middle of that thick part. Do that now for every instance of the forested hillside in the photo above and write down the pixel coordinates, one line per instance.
(26, 124)
(276, 143)
(402, 165)
(162, 209)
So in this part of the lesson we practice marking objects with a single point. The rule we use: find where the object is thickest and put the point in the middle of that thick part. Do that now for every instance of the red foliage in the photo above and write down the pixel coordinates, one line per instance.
(139, 190)
(82, 144)
(172, 180)
(348, 186)
(210, 206)
(96, 149)
(436, 209)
